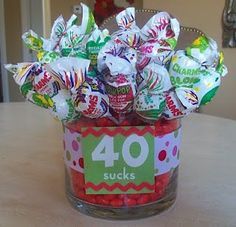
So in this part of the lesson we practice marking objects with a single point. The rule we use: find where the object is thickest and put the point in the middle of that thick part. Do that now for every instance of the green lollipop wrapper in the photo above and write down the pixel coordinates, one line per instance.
(183, 70)
(210, 80)
(45, 54)
(96, 41)
(67, 38)
(204, 50)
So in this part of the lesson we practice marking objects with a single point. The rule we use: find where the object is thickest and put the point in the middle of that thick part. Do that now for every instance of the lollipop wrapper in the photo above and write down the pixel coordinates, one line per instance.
(59, 29)
(88, 21)
(162, 27)
(180, 102)
(36, 75)
(91, 100)
(160, 34)
(73, 42)
(129, 33)
(70, 72)
(44, 83)
(110, 48)
(183, 70)
(74, 39)
(46, 57)
(121, 92)
(157, 51)
(149, 106)
(33, 41)
(45, 52)
(207, 87)
(187, 72)
(155, 78)
(63, 108)
(204, 50)
(119, 65)
(150, 101)
(119, 73)
(40, 100)
(118, 58)
(67, 38)
(95, 43)
(22, 72)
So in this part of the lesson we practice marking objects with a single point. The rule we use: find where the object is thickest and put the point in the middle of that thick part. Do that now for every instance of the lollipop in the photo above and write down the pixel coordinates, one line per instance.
(120, 83)
(180, 102)
(67, 38)
(150, 100)
(70, 72)
(183, 70)
(204, 50)
(160, 36)
(95, 43)
(35, 83)
(63, 108)
(82, 70)
(45, 53)
(129, 33)
(91, 100)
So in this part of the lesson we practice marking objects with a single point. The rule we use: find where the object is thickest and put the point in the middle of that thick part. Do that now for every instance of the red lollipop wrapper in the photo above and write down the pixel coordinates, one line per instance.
(121, 92)
(129, 33)
(44, 83)
(180, 102)
(70, 72)
(160, 35)
(162, 27)
(120, 81)
(34, 73)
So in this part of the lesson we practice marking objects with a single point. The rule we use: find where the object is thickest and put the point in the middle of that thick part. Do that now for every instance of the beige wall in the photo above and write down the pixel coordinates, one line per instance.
(206, 15)
(13, 42)
(65, 8)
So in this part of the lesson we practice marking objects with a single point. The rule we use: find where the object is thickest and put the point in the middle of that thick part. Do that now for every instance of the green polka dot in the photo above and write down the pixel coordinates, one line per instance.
(176, 133)
(68, 155)
(157, 170)
(167, 160)
(78, 139)
(178, 154)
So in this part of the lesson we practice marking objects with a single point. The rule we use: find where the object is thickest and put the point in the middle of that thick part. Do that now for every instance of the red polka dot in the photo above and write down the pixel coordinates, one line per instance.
(74, 163)
(81, 163)
(174, 151)
(75, 145)
(162, 155)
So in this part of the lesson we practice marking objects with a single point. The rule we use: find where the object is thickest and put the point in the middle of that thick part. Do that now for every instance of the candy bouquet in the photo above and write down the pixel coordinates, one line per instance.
(120, 98)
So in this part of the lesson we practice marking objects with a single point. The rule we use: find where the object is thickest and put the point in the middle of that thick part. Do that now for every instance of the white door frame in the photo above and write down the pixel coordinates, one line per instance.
(3, 55)
(25, 26)
(27, 22)
(46, 18)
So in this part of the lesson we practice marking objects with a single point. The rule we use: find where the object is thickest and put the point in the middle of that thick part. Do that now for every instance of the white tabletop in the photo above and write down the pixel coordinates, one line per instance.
(32, 174)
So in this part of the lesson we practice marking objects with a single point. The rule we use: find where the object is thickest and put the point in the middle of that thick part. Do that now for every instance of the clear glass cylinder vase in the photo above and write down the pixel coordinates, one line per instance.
(123, 206)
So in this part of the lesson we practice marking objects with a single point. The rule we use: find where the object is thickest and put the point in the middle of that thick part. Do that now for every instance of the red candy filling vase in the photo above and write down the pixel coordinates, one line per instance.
(121, 172)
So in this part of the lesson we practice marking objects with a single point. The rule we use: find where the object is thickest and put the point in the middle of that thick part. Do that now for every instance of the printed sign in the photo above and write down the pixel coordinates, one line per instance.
(118, 160)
